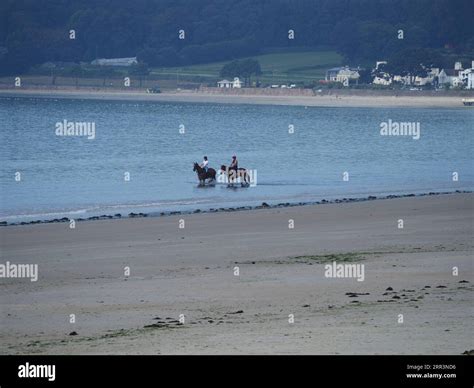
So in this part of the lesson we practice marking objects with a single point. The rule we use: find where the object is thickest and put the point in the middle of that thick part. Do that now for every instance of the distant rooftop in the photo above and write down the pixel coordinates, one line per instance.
(115, 61)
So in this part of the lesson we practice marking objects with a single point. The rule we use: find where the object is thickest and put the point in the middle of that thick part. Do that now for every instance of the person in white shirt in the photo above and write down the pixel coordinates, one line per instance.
(205, 163)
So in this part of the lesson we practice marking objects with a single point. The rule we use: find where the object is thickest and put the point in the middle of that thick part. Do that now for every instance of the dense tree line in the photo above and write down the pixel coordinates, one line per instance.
(36, 31)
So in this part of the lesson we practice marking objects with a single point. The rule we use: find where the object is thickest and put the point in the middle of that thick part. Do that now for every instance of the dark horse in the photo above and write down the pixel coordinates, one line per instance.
(203, 175)
(233, 175)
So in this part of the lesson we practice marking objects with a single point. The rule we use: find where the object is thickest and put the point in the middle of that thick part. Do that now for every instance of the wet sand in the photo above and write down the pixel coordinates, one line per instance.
(190, 271)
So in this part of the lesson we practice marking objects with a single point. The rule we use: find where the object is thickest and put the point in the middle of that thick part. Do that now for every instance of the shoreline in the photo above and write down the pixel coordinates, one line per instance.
(343, 99)
(264, 205)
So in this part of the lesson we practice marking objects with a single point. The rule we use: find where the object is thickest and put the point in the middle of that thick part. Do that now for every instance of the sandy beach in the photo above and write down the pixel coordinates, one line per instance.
(190, 273)
(334, 99)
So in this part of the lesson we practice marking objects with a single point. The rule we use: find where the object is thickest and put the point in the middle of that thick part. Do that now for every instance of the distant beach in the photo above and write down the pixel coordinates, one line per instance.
(335, 99)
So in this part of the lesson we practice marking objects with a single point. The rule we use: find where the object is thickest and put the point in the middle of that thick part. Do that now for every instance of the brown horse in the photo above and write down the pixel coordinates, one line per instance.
(233, 175)
(203, 175)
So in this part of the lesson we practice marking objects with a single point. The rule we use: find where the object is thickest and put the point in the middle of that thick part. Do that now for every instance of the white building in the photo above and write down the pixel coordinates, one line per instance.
(224, 84)
(346, 75)
(429, 79)
(235, 84)
(448, 76)
(470, 80)
(382, 80)
(343, 75)
(417, 80)
(467, 77)
(381, 77)
(457, 77)
(115, 61)
(331, 74)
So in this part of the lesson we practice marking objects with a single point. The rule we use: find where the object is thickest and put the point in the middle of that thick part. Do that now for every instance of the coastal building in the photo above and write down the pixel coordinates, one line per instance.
(381, 77)
(457, 77)
(428, 79)
(448, 77)
(470, 80)
(224, 84)
(466, 76)
(331, 74)
(403, 79)
(123, 62)
(344, 75)
(235, 84)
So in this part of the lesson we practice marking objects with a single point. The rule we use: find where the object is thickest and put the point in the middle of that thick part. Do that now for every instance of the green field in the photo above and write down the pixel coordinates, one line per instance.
(277, 68)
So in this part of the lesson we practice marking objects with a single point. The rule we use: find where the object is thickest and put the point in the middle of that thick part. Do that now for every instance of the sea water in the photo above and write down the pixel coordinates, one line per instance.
(140, 157)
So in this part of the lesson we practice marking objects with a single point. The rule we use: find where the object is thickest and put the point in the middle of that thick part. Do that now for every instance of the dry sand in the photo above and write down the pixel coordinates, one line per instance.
(421, 101)
(190, 271)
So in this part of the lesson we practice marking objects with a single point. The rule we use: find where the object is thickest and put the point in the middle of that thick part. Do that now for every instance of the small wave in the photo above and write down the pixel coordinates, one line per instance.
(46, 214)
(157, 204)
(285, 184)
(104, 209)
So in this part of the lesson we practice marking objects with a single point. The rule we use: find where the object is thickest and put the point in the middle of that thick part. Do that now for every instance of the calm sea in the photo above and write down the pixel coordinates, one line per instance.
(44, 176)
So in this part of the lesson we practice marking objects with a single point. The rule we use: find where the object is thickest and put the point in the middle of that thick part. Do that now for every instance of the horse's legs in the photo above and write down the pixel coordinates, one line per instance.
(233, 175)
(244, 176)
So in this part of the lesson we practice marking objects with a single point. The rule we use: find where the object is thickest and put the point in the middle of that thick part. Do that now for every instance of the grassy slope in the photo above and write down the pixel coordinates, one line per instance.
(291, 67)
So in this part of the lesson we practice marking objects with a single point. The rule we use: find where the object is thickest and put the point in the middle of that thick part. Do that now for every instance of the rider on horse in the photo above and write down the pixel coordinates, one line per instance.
(205, 164)
(234, 164)
(204, 172)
